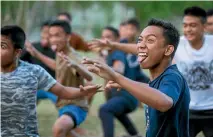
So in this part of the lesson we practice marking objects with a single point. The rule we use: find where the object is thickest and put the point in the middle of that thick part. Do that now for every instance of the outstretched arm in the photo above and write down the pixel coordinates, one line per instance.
(143, 92)
(126, 47)
(73, 93)
(82, 71)
(35, 53)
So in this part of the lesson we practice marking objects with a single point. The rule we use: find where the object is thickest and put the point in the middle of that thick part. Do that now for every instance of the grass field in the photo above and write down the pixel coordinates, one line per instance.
(47, 115)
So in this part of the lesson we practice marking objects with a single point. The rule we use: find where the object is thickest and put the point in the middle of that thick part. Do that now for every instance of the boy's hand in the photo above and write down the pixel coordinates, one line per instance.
(69, 62)
(112, 84)
(100, 69)
(90, 90)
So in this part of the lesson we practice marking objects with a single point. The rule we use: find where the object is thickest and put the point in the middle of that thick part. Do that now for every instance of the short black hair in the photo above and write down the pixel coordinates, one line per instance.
(170, 32)
(16, 34)
(113, 30)
(63, 24)
(123, 23)
(197, 12)
(45, 23)
(134, 22)
(209, 12)
(68, 15)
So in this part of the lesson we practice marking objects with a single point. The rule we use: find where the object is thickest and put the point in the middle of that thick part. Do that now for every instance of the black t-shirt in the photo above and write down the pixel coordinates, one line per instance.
(44, 50)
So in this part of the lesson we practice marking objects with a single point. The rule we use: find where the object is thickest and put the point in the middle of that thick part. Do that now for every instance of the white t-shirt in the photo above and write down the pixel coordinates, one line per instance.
(197, 68)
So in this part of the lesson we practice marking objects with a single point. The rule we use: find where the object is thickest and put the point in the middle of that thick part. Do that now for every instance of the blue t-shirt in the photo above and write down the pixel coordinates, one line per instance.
(174, 122)
(121, 56)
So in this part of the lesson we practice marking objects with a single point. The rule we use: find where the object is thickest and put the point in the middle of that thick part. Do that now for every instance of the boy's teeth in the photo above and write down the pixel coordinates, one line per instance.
(142, 54)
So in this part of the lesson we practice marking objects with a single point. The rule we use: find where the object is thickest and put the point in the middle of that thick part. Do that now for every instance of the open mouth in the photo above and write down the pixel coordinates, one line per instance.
(142, 56)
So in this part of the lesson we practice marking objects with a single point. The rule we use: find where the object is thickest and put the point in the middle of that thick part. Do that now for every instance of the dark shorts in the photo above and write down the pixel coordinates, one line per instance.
(201, 121)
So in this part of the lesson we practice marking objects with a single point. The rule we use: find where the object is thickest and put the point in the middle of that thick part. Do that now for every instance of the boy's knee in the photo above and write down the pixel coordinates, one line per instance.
(58, 131)
(62, 126)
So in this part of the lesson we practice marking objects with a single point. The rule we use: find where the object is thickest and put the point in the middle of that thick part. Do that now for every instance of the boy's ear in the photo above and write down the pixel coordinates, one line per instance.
(169, 50)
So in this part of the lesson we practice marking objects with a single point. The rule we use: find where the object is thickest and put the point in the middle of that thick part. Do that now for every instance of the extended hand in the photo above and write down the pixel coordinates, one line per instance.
(100, 44)
(69, 62)
(112, 84)
(100, 69)
(90, 89)
(30, 48)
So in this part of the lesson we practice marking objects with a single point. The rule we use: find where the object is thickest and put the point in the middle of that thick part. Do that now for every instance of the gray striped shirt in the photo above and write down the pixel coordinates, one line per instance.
(18, 99)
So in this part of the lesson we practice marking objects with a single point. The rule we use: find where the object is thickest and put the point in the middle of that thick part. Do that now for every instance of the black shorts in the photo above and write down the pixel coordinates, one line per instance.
(201, 121)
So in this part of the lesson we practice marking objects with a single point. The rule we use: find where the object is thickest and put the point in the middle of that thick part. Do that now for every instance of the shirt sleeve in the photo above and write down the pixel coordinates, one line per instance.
(171, 85)
(118, 56)
(45, 80)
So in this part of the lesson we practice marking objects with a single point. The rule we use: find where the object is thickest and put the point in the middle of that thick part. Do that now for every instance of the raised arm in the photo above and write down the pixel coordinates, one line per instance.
(143, 92)
(43, 58)
(80, 68)
(126, 47)
(73, 93)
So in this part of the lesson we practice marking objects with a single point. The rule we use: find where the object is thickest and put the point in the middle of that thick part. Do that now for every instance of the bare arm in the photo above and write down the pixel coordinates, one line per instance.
(143, 92)
(126, 47)
(150, 96)
(83, 72)
(35, 53)
(71, 92)
(46, 60)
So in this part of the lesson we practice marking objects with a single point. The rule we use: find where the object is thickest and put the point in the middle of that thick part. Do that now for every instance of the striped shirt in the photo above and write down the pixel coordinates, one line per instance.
(18, 99)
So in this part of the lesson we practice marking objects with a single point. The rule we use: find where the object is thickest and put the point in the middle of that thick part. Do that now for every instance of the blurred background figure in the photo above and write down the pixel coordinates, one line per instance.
(42, 46)
(209, 23)
(76, 41)
(119, 103)
(194, 59)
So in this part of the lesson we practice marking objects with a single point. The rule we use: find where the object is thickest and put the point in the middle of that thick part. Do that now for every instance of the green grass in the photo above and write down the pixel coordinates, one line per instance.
(47, 115)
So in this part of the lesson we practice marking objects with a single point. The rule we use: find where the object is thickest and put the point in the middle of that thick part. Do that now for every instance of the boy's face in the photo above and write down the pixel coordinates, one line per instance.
(131, 32)
(193, 28)
(151, 47)
(108, 35)
(45, 36)
(58, 38)
(8, 52)
(123, 31)
(209, 25)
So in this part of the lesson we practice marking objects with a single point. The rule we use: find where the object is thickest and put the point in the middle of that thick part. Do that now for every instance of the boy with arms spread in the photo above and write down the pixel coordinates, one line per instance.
(167, 95)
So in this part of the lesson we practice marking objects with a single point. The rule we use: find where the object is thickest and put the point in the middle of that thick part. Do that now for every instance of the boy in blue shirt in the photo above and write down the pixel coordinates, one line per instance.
(167, 95)
(119, 103)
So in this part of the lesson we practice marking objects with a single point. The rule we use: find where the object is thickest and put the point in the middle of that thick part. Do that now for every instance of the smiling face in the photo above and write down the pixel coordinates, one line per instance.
(193, 28)
(131, 32)
(58, 38)
(45, 36)
(151, 47)
(209, 25)
(108, 35)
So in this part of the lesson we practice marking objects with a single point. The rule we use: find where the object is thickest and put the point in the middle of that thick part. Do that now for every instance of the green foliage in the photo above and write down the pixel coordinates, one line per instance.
(163, 9)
